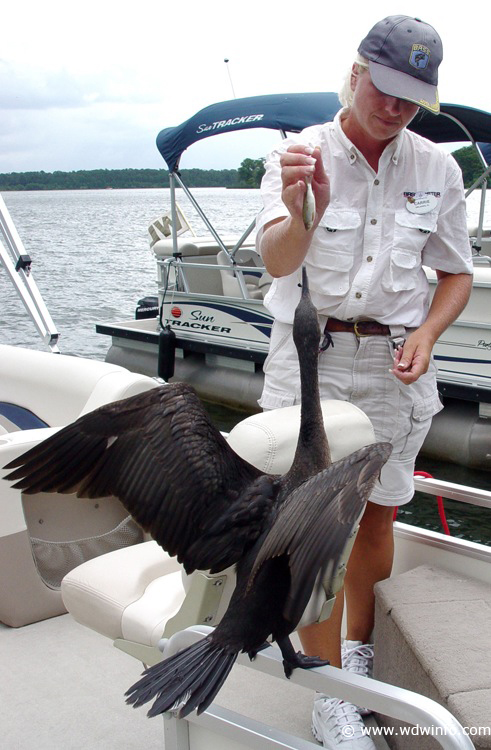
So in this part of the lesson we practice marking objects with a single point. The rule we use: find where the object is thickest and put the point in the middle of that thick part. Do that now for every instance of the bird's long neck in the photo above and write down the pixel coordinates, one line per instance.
(312, 454)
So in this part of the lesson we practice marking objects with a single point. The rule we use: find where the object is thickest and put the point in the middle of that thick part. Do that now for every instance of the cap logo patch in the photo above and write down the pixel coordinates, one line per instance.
(419, 57)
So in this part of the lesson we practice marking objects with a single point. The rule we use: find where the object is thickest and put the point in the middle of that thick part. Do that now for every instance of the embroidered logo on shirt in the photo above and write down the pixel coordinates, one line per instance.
(419, 57)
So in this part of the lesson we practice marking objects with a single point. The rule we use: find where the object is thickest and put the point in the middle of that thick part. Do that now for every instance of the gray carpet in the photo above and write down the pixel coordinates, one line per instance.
(63, 685)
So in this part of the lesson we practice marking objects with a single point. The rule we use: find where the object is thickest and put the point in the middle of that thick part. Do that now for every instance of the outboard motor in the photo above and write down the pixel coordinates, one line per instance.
(147, 307)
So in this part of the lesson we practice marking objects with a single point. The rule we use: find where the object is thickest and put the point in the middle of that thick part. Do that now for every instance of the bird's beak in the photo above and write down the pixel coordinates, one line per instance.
(305, 282)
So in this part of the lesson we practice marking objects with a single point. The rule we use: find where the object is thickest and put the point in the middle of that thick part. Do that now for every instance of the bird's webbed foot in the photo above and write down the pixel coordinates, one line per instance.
(254, 652)
(292, 658)
(304, 662)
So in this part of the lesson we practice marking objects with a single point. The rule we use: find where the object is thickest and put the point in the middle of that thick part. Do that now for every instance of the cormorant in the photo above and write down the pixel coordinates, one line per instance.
(159, 453)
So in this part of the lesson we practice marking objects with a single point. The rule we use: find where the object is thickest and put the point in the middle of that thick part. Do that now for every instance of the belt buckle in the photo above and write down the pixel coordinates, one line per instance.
(357, 332)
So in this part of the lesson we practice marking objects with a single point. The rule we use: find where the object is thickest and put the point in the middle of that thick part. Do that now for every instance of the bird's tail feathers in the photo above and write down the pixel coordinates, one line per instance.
(190, 679)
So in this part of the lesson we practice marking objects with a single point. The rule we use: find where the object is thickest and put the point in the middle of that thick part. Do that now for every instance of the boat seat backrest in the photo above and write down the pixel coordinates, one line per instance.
(473, 230)
(57, 388)
(190, 246)
(268, 440)
(43, 536)
(257, 282)
(195, 253)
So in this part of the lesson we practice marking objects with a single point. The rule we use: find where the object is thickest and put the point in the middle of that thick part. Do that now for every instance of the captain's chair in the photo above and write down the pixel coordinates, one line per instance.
(44, 536)
(257, 282)
(138, 595)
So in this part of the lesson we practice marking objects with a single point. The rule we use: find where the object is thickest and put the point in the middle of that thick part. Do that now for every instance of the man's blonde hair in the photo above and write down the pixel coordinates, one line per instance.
(346, 93)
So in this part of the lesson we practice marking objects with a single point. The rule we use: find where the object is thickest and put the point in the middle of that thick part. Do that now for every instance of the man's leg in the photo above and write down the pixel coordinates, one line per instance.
(324, 639)
(370, 561)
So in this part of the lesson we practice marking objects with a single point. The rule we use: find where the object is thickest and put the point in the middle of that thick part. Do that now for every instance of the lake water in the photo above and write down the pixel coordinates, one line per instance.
(92, 262)
(91, 257)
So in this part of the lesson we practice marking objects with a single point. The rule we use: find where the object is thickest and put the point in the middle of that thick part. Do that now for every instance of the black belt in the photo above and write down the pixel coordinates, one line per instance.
(360, 328)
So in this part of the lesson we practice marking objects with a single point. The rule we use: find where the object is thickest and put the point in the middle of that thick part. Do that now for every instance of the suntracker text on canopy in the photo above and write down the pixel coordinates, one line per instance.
(294, 112)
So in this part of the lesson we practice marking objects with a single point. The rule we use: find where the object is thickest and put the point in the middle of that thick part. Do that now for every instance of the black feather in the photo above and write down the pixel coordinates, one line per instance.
(190, 679)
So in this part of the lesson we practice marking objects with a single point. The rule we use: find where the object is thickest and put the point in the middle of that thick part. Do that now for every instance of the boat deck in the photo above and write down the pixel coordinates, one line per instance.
(66, 690)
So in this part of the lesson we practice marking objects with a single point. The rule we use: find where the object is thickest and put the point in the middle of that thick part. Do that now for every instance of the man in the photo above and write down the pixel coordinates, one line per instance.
(387, 202)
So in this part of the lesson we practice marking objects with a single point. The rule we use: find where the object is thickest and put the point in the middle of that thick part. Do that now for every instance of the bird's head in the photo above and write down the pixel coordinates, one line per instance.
(306, 330)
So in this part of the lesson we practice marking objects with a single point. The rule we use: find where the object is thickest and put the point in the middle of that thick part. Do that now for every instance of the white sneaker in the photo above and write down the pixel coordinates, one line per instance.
(338, 725)
(357, 657)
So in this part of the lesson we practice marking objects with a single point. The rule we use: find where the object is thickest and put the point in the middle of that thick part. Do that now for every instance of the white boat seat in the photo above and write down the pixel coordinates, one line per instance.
(473, 230)
(58, 388)
(192, 246)
(257, 283)
(195, 252)
(43, 536)
(138, 595)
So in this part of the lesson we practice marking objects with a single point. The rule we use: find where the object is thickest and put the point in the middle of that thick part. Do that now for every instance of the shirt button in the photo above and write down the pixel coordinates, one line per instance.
(352, 157)
(373, 221)
(358, 295)
(376, 182)
(369, 258)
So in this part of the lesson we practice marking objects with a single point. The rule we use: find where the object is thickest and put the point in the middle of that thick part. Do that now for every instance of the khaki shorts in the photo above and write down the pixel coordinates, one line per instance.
(357, 370)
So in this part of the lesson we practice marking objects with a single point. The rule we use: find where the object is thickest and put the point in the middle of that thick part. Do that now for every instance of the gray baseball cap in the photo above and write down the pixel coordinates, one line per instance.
(404, 54)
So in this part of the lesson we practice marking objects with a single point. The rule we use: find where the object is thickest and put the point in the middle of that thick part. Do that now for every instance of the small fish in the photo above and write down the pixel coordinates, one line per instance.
(308, 211)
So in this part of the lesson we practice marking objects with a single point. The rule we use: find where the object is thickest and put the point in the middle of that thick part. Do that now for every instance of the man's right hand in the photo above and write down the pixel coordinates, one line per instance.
(297, 164)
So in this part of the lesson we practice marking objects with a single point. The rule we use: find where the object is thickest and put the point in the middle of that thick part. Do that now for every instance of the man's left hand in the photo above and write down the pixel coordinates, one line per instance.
(412, 360)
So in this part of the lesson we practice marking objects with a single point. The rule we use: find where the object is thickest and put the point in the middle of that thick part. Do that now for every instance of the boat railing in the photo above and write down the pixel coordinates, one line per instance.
(482, 184)
(453, 491)
(17, 262)
(174, 178)
(417, 545)
(478, 555)
(430, 717)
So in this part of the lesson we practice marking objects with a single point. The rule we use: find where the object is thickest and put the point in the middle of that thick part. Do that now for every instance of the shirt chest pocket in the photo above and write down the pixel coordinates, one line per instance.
(331, 253)
(411, 232)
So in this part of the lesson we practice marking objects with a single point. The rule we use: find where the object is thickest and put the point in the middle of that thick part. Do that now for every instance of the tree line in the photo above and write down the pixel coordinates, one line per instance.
(103, 179)
(248, 175)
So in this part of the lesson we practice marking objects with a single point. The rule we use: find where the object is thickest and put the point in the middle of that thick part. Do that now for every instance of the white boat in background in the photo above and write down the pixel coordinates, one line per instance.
(208, 325)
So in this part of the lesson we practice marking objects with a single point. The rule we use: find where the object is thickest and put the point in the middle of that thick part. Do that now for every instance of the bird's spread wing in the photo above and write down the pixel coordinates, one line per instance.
(159, 453)
(316, 520)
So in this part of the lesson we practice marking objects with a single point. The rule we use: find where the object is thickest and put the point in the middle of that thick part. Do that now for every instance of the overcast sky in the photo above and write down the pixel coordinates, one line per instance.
(89, 85)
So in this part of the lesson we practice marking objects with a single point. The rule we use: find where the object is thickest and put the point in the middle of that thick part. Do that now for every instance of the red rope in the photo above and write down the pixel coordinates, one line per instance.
(439, 499)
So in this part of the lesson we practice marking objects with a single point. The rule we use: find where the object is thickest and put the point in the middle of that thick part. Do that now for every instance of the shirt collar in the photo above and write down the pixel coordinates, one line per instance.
(391, 152)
